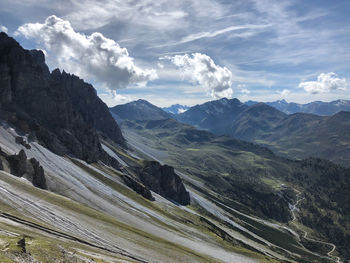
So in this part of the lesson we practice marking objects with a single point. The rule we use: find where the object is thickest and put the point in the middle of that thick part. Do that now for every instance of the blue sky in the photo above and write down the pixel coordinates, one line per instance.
(192, 51)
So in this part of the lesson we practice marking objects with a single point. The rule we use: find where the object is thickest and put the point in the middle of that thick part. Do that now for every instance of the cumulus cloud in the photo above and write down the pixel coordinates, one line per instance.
(87, 55)
(3, 29)
(201, 69)
(243, 90)
(111, 98)
(325, 82)
(285, 92)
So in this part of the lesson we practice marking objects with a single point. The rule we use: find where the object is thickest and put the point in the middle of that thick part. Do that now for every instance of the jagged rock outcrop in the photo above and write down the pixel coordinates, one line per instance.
(20, 166)
(58, 109)
(138, 187)
(163, 180)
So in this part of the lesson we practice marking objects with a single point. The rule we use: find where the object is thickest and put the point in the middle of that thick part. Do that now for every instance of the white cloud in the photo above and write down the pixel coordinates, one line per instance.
(111, 98)
(181, 110)
(87, 55)
(91, 14)
(285, 92)
(201, 69)
(3, 29)
(245, 31)
(245, 92)
(325, 82)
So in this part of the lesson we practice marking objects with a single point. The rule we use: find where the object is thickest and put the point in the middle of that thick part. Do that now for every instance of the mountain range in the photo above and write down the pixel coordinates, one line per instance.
(297, 136)
(316, 107)
(83, 183)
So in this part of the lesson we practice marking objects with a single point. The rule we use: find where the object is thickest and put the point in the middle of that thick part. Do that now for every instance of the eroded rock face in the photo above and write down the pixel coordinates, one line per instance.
(163, 180)
(60, 110)
(138, 187)
(20, 166)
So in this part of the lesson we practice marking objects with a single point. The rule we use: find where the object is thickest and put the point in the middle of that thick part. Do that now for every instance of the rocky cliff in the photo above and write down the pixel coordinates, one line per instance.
(163, 180)
(59, 110)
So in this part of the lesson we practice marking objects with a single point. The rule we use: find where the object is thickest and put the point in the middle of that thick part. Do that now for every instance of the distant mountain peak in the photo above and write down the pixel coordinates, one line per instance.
(176, 108)
(139, 110)
(141, 101)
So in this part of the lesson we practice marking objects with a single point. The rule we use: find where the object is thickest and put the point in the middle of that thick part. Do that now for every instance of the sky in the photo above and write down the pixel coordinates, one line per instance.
(192, 51)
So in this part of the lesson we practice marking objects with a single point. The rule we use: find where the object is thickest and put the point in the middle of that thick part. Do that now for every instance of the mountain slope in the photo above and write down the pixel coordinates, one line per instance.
(91, 202)
(302, 135)
(139, 110)
(255, 121)
(214, 115)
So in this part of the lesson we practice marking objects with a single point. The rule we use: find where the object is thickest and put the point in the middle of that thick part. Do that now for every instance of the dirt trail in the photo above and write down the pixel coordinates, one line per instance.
(294, 208)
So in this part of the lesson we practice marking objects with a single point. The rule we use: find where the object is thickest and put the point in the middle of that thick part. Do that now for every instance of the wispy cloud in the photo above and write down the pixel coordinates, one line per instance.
(245, 31)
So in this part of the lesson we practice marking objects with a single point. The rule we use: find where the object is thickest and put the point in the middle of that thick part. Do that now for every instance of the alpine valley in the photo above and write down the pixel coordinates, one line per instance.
(223, 181)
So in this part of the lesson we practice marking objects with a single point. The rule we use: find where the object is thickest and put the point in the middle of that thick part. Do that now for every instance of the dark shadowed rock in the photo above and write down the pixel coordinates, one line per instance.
(163, 180)
(138, 187)
(18, 163)
(38, 178)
